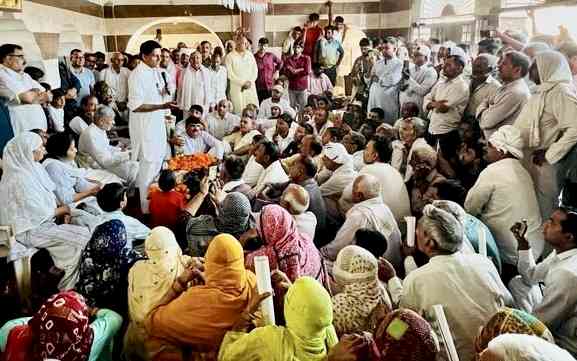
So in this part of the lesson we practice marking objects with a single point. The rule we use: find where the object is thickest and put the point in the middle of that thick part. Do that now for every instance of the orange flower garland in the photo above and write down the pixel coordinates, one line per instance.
(191, 162)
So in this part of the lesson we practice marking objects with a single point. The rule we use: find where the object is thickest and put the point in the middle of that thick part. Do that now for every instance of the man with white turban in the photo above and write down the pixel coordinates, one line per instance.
(547, 124)
(420, 78)
(503, 194)
(369, 212)
(337, 160)
(467, 285)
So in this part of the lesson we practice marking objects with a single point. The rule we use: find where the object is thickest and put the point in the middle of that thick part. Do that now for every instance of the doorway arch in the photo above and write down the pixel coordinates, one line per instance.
(145, 31)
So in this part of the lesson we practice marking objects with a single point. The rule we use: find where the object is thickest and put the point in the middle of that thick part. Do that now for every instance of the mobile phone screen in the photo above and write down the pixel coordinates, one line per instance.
(213, 172)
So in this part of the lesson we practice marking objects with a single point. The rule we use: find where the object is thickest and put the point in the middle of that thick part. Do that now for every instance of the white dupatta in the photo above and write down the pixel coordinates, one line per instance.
(26, 190)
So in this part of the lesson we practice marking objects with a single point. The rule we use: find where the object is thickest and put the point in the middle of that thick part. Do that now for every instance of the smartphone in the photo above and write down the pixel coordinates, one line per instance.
(213, 172)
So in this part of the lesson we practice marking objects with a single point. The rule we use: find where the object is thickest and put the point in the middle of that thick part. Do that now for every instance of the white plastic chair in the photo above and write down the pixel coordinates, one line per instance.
(22, 268)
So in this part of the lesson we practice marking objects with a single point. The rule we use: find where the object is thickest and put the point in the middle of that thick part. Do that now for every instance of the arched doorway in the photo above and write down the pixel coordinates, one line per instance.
(173, 30)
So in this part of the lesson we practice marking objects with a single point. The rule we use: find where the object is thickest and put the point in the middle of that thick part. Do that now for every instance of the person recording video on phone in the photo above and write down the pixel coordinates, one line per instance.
(418, 78)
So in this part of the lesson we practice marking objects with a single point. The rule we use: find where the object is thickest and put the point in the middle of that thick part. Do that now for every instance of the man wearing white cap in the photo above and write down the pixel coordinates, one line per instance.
(265, 110)
(419, 79)
(337, 160)
(503, 194)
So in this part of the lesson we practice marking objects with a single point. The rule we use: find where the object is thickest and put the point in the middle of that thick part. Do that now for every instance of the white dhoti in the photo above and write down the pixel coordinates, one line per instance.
(147, 171)
(526, 296)
(65, 244)
(546, 186)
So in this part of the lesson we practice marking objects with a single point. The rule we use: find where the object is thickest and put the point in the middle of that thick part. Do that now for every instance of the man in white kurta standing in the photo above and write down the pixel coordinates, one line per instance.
(386, 75)
(116, 76)
(242, 73)
(195, 85)
(147, 118)
(419, 79)
(24, 94)
(547, 125)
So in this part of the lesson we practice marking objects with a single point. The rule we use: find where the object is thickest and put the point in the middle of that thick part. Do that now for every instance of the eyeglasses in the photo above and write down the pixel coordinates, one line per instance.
(20, 56)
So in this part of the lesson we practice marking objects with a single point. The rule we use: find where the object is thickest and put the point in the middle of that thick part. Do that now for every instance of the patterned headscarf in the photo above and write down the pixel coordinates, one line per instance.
(61, 329)
(510, 320)
(104, 263)
(405, 336)
(356, 270)
(234, 215)
(287, 250)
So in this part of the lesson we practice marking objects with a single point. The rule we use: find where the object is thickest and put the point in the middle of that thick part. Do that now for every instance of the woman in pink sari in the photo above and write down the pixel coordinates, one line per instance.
(287, 250)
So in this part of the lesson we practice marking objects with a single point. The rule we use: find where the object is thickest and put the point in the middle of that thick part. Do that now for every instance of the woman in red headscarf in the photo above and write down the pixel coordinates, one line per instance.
(61, 330)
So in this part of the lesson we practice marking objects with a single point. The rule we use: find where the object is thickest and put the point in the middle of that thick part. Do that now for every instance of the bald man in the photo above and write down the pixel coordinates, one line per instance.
(116, 76)
(295, 199)
(483, 85)
(368, 212)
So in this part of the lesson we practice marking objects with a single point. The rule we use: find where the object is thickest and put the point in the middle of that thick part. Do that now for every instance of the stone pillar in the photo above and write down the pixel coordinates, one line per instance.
(255, 24)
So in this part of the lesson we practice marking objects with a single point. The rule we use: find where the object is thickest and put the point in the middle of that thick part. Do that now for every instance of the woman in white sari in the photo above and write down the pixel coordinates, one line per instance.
(148, 283)
(30, 206)
(72, 185)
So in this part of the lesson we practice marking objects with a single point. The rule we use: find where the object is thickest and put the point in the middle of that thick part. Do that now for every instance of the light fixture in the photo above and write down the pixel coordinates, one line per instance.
(247, 6)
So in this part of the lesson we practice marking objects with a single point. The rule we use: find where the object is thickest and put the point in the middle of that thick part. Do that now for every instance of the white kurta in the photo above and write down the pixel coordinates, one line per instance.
(241, 68)
(558, 135)
(218, 84)
(194, 89)
(393, 190)
(487, 90)
(265, 110)
(384, 93)
(456, 93)
(557, 308)
(252, 172)
(23, 117)
(220, 127)
(147, 130)
(371, 214)
(57, 116)
(95, 144)
(272, 174)
(117, 81)
(420, 83)
(469, 288)
(503, 195)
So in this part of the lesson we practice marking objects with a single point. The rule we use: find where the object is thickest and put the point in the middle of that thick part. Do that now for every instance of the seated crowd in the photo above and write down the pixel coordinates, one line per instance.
(443, 180)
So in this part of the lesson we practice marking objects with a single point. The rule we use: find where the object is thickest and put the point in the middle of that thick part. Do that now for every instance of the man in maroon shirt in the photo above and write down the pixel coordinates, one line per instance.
(268, 64)
(312, 34)
(297, 69)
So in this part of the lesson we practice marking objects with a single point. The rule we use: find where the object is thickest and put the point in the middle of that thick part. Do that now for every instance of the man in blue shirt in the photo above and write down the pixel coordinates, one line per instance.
(83, 74)
(329, 54)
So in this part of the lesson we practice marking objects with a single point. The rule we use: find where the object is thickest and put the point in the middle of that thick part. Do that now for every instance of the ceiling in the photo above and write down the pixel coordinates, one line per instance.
(177, 28)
